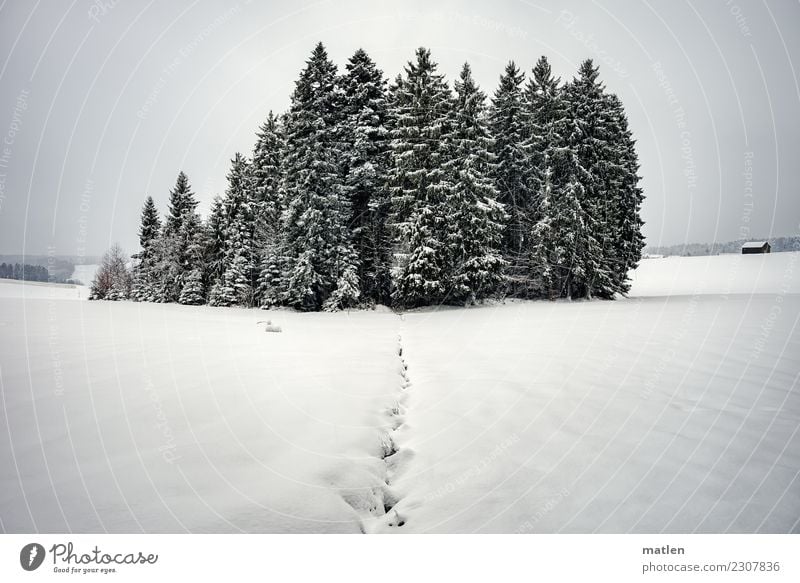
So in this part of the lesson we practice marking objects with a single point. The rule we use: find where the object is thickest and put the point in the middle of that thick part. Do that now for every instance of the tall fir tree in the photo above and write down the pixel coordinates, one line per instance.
(623, 165)
(191, 237)
(547, 125)
(542, 266)
(565, 252)
(366, 144)
(507, 126)
(236, 285)
(181, 203)
(145, 276)
(150, 228)
(266, 166)
(573, 251)
(475, 216)
(214, 243)
(421, 114)
(544, 121)
(180, 239)
(590, 140)
(319, 250)
(269, 207)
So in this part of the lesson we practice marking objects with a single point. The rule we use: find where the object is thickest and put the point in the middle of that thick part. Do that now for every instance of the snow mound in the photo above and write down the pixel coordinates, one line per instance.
(269, 326)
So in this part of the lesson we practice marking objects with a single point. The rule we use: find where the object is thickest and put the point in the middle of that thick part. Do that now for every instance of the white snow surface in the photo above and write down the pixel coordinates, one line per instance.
(767, 273)
(30, 290)
(673, 410)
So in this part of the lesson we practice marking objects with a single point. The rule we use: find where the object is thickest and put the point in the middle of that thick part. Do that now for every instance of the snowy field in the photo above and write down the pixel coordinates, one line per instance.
(13, 289)
(674, 410)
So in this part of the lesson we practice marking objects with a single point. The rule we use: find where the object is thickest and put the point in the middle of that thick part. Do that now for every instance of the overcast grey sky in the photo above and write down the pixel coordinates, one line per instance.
(103, 102)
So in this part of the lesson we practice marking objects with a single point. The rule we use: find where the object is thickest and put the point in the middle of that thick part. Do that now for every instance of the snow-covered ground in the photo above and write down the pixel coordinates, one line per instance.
(34, 290)
(718, 274)
(676, 409)
(128, 417)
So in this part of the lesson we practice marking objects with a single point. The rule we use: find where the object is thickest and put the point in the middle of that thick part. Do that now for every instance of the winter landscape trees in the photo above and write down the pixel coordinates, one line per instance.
(321, 260)
(410, 193)
(23, 271)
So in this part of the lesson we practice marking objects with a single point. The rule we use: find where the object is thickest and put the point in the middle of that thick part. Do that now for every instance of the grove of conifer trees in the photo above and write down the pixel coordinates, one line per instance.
(410, 193)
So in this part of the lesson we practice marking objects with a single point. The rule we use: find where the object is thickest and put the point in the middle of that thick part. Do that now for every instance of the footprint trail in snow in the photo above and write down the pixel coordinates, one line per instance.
(396, 457)
(378, 506)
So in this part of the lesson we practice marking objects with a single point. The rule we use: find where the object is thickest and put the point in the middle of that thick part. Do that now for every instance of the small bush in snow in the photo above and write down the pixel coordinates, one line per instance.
(113, 280)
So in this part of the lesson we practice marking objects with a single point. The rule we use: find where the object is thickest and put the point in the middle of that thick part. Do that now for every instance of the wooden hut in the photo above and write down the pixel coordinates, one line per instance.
(756, 247)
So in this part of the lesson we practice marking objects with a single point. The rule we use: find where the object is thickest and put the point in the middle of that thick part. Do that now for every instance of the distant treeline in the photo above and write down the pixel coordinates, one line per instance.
(24, 271)
(27, 272)
(59, 267)
(778, 245)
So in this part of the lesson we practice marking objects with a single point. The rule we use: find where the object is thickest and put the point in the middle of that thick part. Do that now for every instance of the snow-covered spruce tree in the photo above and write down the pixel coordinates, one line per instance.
(507, 126)
(214, 247)
(366, 156)
(237, 283)
(269, 205)
(347, 292)
(623, 181)
(543, 115)
(180, 237)
(589, 139)
(318, 247)
(112, 280)
(420, 115)
(265, 168)
(270, 287)
(192, 236)
(181, 203)
(547, 124)
(192, 293)
(543, 270)
(475, 216)
(573, 249)
(564, 250)
(145, 273)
